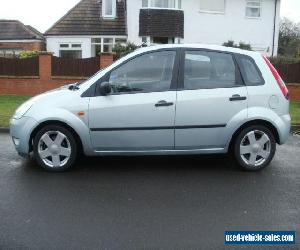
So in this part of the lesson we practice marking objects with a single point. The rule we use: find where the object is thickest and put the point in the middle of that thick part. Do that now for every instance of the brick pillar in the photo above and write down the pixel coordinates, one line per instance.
(106, 59)
(45, 65)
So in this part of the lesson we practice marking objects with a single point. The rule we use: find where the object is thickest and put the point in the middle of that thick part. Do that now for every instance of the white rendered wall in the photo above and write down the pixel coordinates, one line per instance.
(200, 27)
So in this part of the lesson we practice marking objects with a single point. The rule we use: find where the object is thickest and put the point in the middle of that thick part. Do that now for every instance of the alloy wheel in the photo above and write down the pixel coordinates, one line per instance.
(255, 148)
(54, 149)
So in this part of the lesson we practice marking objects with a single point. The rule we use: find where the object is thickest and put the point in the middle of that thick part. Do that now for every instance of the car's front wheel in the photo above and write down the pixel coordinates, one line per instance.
(55, 148)
(254, 147)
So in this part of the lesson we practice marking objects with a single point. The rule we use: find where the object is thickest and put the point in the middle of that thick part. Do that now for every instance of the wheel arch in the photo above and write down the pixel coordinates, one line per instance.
(261, 122)
(59, 123)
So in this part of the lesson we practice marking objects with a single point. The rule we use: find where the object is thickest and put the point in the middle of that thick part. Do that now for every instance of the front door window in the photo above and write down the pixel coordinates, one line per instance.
(151, 72)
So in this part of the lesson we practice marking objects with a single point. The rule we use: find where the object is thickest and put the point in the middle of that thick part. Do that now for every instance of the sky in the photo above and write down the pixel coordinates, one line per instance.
(42, 14)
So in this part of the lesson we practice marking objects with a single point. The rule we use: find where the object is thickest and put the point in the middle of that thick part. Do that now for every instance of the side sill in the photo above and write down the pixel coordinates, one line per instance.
(164, 152)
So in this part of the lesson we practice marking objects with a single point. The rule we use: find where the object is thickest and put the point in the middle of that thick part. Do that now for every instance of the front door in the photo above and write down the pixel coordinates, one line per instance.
(213, 95)
(139, 113)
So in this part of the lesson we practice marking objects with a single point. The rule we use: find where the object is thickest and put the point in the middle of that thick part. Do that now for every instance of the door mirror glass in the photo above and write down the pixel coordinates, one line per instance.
(105, 88)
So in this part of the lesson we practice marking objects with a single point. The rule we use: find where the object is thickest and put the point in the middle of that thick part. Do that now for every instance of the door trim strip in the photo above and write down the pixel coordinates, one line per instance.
(158, 128)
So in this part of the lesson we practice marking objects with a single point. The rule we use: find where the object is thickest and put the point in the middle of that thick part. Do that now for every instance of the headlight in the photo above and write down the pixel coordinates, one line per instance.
(22, 110)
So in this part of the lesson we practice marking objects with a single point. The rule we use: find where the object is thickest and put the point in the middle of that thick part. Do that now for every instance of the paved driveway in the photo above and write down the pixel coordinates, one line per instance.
(145, 203)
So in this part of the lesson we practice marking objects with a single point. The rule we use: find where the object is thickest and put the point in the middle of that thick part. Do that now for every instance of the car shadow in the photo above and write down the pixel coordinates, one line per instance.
(147, 163)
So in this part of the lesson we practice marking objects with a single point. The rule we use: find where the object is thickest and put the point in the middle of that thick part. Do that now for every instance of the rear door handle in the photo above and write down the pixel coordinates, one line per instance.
(164, 104)
(237, 98)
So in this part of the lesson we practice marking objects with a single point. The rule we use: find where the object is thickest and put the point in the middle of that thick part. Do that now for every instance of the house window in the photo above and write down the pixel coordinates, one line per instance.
(212, 6)
(70, 50)
(9, 53)
(105, 44)
(253, 8)
(165, 4)
(109, 8)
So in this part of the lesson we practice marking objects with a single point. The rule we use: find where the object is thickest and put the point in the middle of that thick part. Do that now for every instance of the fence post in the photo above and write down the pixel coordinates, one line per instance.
(45, 65)
(106, 59)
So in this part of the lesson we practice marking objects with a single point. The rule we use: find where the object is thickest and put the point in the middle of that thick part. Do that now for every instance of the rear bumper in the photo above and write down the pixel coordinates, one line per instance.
(20, 131)
(284, 128)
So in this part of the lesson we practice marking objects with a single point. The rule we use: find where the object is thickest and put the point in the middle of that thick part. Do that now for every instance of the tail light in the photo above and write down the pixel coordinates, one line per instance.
(278, 79)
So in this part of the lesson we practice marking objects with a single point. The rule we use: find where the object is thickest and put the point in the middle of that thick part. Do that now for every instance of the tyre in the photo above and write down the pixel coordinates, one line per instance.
(254, 148)
(55, 148)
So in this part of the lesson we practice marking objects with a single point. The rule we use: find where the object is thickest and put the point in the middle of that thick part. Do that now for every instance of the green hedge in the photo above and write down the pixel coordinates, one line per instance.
(284, 60)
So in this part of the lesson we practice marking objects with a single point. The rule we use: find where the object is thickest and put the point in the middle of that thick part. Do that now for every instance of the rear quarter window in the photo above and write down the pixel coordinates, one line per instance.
(250, 72)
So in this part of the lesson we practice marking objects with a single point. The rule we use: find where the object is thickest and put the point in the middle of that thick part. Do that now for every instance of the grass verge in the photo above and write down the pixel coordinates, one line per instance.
(295, 112)
(8, 105)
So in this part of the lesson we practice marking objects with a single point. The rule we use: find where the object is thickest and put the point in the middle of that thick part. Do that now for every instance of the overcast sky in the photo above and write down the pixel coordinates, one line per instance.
(43, 14)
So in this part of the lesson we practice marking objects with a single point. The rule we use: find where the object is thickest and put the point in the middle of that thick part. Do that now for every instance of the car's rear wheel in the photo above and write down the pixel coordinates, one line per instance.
(254, 148)
(55, 148)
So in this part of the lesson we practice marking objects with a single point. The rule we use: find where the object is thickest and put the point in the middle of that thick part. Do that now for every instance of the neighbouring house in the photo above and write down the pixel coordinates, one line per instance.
(94, 26)
(16, 37)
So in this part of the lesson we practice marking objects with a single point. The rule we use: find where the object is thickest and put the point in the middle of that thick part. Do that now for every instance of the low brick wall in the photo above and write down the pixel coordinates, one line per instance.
(33, 85)
(294, 90)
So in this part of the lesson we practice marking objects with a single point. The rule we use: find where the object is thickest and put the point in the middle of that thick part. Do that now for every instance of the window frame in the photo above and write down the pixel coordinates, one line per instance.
(239, 79)
(114, 9)
(150, 5)
(260, 9)
(212, 11)
(101, 43)
(70, 47)
(93, 91)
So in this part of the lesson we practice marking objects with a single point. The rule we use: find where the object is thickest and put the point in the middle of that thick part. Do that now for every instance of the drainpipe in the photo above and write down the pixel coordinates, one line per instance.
(274, 28)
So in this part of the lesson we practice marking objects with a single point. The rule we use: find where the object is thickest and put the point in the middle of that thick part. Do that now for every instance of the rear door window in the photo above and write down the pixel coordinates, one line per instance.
(208, 69)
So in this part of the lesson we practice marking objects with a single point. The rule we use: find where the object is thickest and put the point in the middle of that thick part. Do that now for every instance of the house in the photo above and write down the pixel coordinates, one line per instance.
(16, 37)
(94, 26)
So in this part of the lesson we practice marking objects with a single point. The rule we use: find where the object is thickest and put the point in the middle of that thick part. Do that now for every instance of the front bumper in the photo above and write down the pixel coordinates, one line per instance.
(20, 131)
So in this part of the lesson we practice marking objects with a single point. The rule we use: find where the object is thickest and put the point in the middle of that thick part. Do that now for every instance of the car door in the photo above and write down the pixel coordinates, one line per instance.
(212, 95)
(139, 113)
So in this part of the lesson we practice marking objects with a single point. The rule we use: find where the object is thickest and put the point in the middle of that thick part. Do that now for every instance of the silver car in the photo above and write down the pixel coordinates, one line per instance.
(161, 100)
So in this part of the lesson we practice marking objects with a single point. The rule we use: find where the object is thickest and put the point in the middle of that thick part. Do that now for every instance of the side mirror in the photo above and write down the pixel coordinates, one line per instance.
(105, 88)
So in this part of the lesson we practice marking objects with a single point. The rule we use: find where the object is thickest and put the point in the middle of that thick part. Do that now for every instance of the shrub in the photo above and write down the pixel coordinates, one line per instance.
(241, 45)
(245, 46)
(122, 50)
(28, 54)
(230, 43)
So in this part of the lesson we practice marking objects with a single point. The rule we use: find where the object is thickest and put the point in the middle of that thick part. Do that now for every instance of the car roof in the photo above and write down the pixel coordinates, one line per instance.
(197, 46)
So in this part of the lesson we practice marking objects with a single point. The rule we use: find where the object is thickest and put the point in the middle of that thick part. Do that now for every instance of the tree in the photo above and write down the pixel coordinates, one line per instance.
(289, 38)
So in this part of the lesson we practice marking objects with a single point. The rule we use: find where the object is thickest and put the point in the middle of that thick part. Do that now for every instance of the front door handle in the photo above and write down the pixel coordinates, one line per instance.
(237, 98)
(164, 104)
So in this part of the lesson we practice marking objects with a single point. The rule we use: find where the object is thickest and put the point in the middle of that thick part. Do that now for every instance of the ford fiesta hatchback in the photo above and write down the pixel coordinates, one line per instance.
(172, 99)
